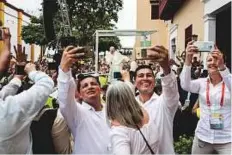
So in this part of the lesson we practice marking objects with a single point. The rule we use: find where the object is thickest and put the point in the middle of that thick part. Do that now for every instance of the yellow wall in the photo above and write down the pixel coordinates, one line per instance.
(2, 6)
(20, 18)
(32, 52)
(144, 22)
(191, 12)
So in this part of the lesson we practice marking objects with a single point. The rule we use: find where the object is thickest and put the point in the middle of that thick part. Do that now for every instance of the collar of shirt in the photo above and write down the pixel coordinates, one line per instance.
(89, 107)
(86, 105)
(153, 97)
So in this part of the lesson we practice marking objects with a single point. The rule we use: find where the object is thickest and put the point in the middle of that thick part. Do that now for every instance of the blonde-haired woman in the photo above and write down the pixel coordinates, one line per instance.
(213, 132)
(133, 129)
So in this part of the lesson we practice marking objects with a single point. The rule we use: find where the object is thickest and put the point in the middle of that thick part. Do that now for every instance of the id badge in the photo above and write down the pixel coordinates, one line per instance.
(216, 121)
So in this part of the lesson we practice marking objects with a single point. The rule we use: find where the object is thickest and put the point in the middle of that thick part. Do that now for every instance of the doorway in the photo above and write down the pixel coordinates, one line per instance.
(223, 32)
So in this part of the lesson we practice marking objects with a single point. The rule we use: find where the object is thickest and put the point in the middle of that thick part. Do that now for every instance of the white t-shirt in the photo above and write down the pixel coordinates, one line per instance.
(127, 140)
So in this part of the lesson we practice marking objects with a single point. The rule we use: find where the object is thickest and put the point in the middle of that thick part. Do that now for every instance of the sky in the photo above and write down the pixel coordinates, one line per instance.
(127, 16)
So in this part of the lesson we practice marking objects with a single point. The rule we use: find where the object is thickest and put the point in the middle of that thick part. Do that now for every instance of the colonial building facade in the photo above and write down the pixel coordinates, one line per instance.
(14, 18)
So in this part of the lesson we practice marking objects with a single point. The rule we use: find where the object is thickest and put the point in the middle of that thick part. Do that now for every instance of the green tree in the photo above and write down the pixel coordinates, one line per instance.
(85, 17)
(33, 33)
(106, 42)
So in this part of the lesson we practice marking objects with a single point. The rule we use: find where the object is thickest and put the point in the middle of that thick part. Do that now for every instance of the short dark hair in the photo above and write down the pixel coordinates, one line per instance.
(81, 77)
(143, 67)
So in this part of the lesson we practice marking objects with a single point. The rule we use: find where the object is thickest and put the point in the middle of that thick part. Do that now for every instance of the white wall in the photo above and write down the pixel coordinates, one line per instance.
(213, 5)
(172, 35)
(26, 21)
(11, 21)
(210, 21)
(37, 52)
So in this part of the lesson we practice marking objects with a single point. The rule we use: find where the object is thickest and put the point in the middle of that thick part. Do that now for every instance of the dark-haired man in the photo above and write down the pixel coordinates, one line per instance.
(163, 106)
(87, 121)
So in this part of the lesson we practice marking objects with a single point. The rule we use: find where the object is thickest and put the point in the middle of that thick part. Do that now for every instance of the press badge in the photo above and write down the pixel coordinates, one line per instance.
(216, 121)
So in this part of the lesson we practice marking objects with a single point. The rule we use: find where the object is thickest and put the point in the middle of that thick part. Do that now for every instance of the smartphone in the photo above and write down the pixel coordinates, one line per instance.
(19, 70)
(52, 66)
(144, 53)
(117, 75)
(85, 53)
(204, 46)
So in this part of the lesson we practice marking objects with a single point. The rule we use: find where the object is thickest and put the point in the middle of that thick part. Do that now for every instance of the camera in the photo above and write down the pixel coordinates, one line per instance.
(19, 70)
(204, 46)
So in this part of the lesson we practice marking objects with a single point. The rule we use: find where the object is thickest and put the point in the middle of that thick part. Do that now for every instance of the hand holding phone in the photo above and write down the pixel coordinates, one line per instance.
(19, 70)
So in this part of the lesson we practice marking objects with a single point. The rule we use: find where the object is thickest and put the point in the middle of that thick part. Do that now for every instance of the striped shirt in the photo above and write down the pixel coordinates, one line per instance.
(203, 130)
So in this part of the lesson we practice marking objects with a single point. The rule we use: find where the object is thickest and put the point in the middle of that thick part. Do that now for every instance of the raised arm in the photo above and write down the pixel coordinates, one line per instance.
(70, 109)
(170, 95)
(227, 77)
(187, 84)
(66, 98)
(29, 102)
(224, 71)
(11, 88)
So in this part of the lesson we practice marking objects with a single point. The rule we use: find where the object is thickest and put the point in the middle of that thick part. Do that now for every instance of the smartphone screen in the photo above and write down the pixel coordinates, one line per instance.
(52, 66)
(117, 75)
(19, 70)
(144, 53)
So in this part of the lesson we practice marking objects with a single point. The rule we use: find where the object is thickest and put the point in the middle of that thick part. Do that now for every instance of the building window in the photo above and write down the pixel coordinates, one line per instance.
(173, 45)
(154, 12)
(188, 34)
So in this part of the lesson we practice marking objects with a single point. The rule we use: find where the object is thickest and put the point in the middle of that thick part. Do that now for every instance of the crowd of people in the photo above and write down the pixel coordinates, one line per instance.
(139, 112)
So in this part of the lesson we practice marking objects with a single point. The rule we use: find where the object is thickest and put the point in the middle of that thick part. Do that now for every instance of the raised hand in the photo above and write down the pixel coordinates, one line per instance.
(190, 51)
(69, 57)
(160, 54)
(20, 53)
(218, 56)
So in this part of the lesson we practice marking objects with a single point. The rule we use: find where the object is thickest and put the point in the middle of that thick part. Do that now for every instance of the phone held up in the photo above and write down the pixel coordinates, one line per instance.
(19, 70)
(84, 52)
(204, 46)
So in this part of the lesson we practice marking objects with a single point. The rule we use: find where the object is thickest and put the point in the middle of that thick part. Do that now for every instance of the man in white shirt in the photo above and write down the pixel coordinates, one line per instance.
(165, 105)
(17, 112)
(87, 121)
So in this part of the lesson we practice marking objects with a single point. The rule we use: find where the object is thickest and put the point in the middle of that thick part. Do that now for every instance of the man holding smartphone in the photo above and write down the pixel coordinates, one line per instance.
(163, 106)
(87, 119)
(18, 111)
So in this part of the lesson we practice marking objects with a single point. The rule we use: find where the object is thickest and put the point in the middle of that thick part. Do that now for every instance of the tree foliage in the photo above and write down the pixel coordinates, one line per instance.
(106, 42)
(34, 32)
(85, 16)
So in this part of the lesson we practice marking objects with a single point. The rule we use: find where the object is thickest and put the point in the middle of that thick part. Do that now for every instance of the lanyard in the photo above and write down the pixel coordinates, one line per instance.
(222, 94)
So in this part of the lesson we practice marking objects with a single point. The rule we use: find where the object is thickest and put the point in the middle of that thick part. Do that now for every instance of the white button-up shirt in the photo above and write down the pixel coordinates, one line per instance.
(164, 107)
(18, 111)
(89, 127)
(203, 130)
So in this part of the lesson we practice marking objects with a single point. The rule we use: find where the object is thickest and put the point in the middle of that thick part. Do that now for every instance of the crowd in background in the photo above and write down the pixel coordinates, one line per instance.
(61, 110)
